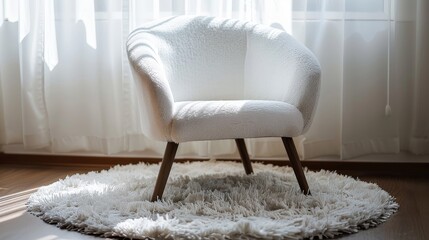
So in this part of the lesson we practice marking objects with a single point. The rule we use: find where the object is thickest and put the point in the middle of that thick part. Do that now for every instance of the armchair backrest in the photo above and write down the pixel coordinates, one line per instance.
(205, 58)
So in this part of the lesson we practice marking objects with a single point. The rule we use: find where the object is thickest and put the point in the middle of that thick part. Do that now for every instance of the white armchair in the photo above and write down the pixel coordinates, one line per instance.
(204, 78)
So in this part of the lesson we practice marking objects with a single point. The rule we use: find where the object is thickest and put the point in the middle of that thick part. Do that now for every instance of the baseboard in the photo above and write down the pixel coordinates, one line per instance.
(70, 161)
(381, 167)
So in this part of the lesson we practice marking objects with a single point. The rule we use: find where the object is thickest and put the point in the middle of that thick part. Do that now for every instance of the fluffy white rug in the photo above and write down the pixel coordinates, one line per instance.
(213, 200)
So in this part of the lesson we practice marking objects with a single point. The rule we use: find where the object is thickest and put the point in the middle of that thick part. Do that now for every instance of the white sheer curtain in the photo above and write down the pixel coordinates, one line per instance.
(374, 87)
(65, 84)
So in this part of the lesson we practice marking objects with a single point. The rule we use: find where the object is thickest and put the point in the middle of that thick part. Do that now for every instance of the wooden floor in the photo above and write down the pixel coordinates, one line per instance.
(17, 182)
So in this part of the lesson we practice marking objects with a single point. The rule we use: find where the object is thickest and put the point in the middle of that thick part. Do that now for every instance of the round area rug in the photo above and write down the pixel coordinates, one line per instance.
(212, 200)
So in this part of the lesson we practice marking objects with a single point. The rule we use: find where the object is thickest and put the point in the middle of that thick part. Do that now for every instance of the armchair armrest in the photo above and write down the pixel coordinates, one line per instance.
(278, 67)
(304, 89)
(154, 93)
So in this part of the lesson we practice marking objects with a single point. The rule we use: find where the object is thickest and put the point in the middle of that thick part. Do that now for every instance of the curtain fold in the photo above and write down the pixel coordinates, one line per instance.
(65, 83)
(420, 127)
(35, 121)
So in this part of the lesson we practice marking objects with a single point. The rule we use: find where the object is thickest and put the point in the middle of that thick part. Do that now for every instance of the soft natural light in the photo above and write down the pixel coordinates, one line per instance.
(85, 12)
(58, 50)
(49, 237)
(13, 205)
(51, 51)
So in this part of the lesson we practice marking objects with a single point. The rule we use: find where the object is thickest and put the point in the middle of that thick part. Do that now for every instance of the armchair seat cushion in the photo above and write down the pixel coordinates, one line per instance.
(213, 120)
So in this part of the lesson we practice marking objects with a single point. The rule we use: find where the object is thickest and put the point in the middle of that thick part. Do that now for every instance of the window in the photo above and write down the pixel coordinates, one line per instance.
(341, 9)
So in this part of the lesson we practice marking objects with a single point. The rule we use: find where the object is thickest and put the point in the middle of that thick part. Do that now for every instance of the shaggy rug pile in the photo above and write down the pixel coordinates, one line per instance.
(212, 200)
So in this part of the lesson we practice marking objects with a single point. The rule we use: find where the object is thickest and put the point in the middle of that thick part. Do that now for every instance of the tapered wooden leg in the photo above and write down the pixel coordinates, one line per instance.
(164, 171)
(296, 164)
(241, 145)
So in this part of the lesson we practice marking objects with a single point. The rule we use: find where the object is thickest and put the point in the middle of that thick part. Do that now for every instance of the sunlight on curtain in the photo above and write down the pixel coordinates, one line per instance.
(1, 13)
(65, 83)
(85, 12)
(50, 41)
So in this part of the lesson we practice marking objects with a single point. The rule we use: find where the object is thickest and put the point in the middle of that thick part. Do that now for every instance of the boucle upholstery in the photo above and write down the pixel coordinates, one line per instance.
(205, 78)
(196, 120)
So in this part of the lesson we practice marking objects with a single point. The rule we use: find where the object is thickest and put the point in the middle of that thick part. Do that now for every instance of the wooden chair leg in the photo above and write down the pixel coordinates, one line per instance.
(241, 145)
(296, 164)
(164, 171)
